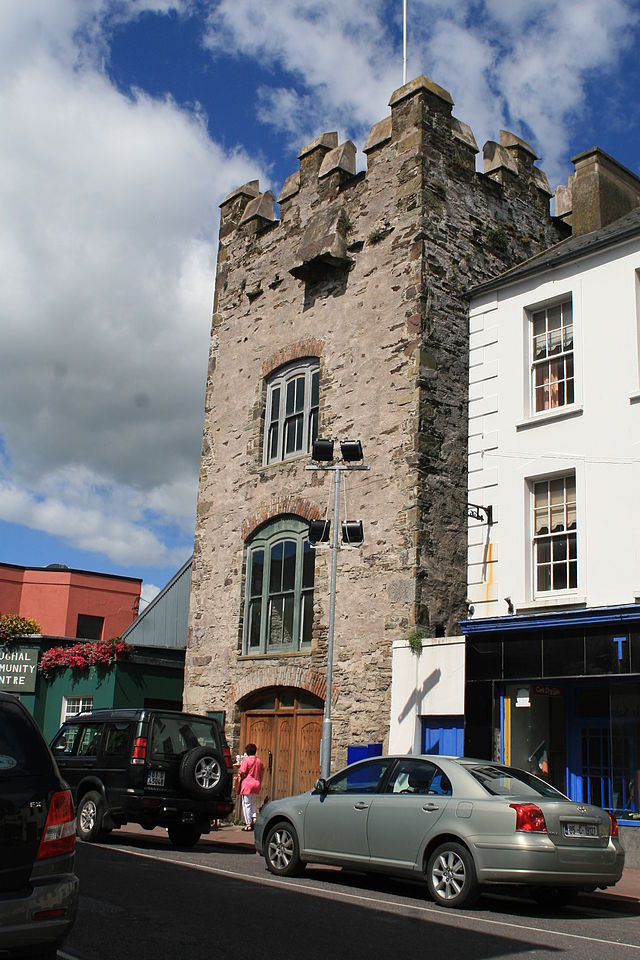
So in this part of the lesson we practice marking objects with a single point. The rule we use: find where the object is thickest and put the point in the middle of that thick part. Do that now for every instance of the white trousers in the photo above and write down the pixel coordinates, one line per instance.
(249, 807)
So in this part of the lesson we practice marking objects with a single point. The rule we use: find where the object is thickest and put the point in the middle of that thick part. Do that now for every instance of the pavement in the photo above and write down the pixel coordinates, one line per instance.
(625, 896)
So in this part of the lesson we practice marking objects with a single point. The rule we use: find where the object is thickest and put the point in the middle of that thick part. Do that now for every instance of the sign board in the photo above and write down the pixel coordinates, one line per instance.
(18, 669)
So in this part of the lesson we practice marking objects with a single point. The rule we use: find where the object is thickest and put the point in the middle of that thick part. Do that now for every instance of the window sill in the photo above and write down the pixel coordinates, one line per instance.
(634, 397)
(276, 655)
(562, 600)
(559, 413)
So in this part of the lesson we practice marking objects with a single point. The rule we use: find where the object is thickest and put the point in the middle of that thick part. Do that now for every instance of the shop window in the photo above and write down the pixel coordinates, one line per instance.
(278, 608)
(483, 659)
(523, 658)
(555, 549)
(607, 654)
(563, 656)
(552, 369)
(291, 415)
(88, 627)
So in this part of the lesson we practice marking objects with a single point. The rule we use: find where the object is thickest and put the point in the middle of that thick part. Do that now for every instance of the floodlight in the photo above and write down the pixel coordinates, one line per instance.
(322, 450)
(352, 531)
(351, 450)
(319, 531)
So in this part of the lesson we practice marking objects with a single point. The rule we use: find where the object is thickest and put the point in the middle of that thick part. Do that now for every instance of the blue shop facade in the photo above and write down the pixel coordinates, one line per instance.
(559, 695)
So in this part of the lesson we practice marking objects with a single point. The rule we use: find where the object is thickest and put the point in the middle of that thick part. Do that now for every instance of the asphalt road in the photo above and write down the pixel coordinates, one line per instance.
(141, 898)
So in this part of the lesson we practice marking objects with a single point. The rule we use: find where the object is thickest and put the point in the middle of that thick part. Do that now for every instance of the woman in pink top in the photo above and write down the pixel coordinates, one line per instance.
(250, 774)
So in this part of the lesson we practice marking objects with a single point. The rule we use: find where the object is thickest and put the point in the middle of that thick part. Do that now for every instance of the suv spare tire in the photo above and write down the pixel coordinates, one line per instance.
(203, 773)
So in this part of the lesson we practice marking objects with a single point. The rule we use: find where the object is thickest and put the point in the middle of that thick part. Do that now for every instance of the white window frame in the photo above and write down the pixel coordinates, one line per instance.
(69, 709)
(565, 356)
(280, 423)
(553, 538)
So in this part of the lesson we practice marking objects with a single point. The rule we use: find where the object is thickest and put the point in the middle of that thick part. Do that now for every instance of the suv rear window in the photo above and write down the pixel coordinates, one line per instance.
(174, 735)
(22, 749)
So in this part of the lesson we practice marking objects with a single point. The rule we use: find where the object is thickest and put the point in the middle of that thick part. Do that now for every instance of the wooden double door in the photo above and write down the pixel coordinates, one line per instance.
(286, 727)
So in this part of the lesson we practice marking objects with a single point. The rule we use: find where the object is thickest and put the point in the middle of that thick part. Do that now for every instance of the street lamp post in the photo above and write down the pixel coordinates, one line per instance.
(351, 452)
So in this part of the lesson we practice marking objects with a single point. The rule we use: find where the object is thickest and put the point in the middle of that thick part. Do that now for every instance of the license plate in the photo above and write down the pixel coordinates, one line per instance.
(155, 778)
(580, 830)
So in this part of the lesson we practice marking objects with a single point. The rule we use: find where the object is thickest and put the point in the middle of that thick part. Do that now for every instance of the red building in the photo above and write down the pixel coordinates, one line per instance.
(70, 603)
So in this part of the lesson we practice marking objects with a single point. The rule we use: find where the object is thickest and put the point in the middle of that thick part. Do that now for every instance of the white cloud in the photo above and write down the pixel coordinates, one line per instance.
(506, 63)
(107, 240)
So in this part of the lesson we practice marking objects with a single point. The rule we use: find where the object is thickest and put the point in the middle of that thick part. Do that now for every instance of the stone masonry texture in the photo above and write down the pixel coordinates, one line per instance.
(381, 264)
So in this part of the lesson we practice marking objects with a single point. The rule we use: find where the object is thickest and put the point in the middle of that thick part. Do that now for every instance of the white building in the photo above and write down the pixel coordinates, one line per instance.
(552, 667)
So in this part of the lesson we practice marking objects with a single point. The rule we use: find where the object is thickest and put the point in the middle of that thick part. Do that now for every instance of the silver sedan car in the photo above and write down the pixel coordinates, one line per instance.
(457, 823)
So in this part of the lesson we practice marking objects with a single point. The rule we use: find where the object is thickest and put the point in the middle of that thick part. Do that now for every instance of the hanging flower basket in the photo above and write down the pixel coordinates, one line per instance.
(81, 656)
(12, 626)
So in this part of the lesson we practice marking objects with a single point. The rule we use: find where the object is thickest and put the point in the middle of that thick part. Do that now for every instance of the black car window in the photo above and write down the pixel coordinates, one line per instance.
(22, 749)
(509, 782)
(360, 778)
(175, 735)
(88, 740)
(117, 739)
(62, 746)
(413, 776)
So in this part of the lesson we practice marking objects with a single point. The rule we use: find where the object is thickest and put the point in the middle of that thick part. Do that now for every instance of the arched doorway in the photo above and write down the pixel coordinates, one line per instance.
(286, 726)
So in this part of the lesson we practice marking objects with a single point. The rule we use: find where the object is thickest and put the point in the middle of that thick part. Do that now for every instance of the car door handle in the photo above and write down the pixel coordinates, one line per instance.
(430, 807)
(361, 805)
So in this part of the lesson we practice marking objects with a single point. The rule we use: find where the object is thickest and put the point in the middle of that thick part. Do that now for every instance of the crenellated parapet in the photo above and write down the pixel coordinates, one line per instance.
(421, 125)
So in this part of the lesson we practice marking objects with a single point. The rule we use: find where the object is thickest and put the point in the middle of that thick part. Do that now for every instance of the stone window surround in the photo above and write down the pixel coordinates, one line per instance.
(306, 349)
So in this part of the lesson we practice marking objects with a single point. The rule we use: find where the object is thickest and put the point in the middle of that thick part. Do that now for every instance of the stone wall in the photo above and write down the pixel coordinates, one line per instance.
(368, 272)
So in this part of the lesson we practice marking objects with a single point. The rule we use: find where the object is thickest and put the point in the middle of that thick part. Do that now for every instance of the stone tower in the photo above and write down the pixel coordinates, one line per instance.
(359, 288)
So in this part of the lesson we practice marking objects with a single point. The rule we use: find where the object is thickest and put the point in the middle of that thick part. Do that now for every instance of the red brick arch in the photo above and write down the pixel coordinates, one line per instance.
(275, 674)
(294, 351)
(277, 507)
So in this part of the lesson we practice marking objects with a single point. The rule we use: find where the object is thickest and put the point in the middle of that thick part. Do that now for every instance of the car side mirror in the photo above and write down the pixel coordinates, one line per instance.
(321, 786)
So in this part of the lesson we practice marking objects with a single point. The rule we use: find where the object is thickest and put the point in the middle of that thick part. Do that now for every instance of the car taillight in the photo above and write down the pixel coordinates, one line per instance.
(227, 758)
(613, 826)
(59, 834)
(529, 818)
(139, 750)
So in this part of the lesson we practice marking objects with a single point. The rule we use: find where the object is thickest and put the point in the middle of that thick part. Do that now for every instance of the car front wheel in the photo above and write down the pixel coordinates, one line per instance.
(89, 817)
(282, 851)
(451, 876)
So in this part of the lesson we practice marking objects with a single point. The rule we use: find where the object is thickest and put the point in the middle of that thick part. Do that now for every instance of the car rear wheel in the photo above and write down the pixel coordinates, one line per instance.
(550, 897)
(282, 851)
(89, 817)
(203, 772)
(184, 834)
(451, 876)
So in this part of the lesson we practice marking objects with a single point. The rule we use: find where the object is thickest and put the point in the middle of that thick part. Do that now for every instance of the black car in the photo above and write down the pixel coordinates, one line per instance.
(38, 888)
(146, 766)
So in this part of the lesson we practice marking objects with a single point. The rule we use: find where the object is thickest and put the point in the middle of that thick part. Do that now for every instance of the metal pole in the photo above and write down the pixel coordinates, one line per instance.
(404, 42)
(325, 751)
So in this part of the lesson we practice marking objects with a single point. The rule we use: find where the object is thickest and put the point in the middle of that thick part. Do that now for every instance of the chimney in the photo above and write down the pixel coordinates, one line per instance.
(600, 191)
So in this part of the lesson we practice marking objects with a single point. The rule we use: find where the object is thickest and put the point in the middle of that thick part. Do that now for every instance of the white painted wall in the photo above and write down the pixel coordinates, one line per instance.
(430, 683)
(598, 436)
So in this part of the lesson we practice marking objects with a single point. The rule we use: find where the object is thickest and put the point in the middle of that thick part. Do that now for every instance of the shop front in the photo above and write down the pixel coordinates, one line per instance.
(559, 696)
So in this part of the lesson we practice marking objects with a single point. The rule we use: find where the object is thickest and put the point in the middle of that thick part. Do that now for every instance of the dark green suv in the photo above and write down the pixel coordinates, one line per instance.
(145, 766)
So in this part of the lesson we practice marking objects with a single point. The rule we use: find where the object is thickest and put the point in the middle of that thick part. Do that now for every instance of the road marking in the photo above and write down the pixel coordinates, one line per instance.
(442, 913)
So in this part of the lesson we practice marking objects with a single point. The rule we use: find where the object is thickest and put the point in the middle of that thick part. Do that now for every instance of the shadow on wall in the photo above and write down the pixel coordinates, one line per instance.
(417, 696)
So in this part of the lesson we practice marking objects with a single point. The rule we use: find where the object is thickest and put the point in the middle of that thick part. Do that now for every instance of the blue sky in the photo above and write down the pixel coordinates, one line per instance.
(125, 122)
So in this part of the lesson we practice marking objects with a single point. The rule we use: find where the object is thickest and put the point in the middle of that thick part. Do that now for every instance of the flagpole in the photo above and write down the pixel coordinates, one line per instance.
(404, 42)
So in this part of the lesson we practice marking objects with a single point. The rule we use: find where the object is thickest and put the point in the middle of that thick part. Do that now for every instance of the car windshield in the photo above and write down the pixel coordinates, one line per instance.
(22, 749)
(502, 781)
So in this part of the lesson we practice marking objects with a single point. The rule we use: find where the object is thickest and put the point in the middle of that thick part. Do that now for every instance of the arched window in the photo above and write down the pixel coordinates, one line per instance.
(291, 416)
(278, 607)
